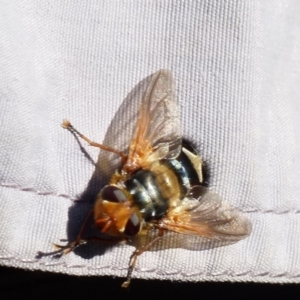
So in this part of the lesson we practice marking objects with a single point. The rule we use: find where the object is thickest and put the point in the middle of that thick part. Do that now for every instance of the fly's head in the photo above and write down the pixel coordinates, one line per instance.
(114, 213)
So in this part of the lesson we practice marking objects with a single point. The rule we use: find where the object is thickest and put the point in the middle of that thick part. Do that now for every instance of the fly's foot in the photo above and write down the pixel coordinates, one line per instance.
(126, 284)
(66, 124)
(61, 250)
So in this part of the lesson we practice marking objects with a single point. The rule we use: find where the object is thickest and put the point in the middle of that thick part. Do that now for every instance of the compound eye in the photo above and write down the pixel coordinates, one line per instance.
(113, 194)
(132, 226)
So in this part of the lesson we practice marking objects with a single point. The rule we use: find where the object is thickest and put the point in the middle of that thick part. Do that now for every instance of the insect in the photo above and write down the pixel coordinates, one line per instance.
(160, 185)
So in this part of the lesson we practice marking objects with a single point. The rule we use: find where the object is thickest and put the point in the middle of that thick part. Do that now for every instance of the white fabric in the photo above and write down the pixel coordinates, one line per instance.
(237, 70)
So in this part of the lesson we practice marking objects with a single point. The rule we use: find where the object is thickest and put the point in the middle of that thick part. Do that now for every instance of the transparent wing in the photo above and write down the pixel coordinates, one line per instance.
(157, 133)
(204, 224)
(210, 218)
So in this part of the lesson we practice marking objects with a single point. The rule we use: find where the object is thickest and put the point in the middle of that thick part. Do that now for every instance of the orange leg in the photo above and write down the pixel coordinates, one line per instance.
(136, 254)
(67, 125)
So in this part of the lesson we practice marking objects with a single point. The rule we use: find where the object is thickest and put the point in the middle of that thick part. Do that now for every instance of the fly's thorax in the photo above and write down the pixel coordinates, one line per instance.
(114, 213)
(164, 183)
(155, 189)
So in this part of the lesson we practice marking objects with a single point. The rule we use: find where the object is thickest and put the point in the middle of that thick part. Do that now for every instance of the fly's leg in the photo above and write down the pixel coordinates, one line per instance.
(67, 125)
(62, 250)
(65, 249)
(136, 254)
(78, 241)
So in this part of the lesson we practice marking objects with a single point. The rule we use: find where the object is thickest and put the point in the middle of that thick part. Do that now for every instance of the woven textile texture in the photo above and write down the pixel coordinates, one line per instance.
(236, 66)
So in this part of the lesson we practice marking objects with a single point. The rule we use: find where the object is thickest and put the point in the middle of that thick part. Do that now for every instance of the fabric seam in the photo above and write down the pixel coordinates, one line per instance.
(62, 195)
